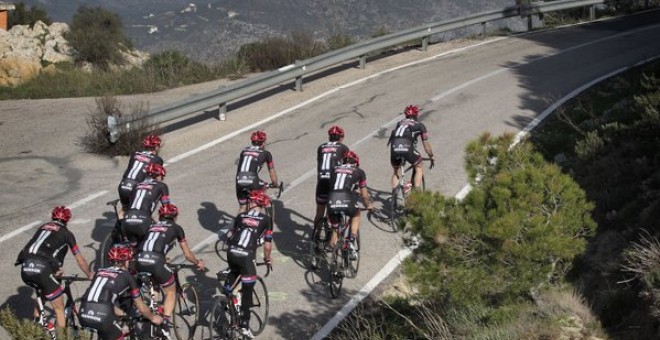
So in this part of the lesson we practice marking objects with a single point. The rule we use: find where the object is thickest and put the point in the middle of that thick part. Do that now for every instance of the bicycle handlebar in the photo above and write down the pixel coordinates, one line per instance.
(73, 278)
(179, 266)
(269, 267)
(429, 159)
(280, 187)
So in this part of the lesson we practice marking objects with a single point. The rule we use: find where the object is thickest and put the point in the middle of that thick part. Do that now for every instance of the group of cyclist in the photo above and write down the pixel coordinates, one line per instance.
(340, 181)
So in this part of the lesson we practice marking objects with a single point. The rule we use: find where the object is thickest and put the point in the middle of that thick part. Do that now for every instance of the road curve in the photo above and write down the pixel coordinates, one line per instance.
(498, 87)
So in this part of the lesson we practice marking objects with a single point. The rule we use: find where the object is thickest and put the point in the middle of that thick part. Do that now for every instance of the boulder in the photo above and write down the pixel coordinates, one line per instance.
(16, 70)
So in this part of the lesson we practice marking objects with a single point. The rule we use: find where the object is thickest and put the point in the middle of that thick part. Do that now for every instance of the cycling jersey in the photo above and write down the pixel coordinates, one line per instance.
(159, 240)
(345, 180)
(135, 173)
(250, 162)
(328, 156)
(108, 288)
(50, 242)
(403, 140)
(144, 200)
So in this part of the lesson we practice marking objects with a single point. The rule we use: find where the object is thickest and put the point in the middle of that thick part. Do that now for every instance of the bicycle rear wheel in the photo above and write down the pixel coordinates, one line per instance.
(337, 269)
(221, 247)
(111, 239)
(186, 312)
(397, 205)
(354, 265)
(222, 317)
(260, 307)
(317, 244)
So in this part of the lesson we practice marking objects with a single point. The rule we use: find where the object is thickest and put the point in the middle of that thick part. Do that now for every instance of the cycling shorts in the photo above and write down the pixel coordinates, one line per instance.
(342, 202)
(398, 158)
(39, 273)
(241, 262)
(246, 183)
(135, 226)
(125, 188)
(100, 317)
(154, 263)
(322, 190)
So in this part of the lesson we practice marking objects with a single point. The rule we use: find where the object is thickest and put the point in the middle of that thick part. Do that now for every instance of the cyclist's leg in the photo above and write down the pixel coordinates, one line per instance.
(248, 279)
(242, 197)
(322, 189)
(416, 159)
(395, 161)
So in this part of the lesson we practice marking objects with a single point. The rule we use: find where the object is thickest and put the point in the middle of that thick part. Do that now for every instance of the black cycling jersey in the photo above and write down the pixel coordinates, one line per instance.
(249, 227)
(402, 142)
(109, 284)
(328, 156)
(347, 177)
(161, 237)
(50, 241)
(137, 163)
(146, 195)
(251, 159)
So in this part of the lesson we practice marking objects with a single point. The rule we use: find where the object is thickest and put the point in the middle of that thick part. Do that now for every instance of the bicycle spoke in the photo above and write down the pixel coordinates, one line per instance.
(260, 307)
(186, 312)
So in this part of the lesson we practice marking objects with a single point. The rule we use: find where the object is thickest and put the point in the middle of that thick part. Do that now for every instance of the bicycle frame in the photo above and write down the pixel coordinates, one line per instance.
(70, 308)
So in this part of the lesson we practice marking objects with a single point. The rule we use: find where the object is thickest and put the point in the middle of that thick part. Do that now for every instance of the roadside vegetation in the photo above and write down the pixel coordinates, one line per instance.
(558, 238)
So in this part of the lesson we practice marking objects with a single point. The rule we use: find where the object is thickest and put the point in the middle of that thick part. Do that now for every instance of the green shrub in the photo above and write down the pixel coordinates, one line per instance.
(518, 229)
(275, 52)
(27, 16)
(96, 35)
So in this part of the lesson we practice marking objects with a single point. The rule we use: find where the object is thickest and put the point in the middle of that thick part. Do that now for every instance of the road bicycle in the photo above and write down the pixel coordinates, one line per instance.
(70, 309)
(344, 261)
(226, 310)
(401, 191)
(186, 312)
(221, 245)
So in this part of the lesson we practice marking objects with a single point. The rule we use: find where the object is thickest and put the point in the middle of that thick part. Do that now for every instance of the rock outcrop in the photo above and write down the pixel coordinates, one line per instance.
(27, 51)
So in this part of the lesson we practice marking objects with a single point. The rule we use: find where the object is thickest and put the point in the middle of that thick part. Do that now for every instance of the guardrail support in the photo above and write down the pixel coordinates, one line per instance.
(363, 62)
(483, 29)
(425, 43)
(299, 83)
(592, 12)
(222, 110)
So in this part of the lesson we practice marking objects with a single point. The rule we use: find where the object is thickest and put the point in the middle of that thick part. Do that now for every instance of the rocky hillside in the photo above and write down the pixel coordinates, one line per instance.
(25, 52)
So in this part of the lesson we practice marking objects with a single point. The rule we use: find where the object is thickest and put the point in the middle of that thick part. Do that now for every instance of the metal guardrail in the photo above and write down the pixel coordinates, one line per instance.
(360, 50)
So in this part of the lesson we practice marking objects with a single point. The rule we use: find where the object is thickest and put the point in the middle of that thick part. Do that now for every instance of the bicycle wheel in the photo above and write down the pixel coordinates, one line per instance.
(396, 207)
(221, 247)
(186, 312)
(317, 244)
(221, 319)
(260, 307)
(112, 238)
(337, 269)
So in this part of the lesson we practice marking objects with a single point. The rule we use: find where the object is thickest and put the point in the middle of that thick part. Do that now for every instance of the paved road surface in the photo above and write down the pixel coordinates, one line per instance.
(498, 87)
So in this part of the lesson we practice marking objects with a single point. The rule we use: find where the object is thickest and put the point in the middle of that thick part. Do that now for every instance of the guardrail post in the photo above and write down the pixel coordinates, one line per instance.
(483, 29)
(222, 110)
(299, 83)
(592, 12)
(363, 62)
(425, 43)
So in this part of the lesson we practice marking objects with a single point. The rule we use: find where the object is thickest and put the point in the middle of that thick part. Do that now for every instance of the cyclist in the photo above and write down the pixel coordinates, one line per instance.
(135, 171)
(328, 156)
(402, 146)
(110, 286)
(160, 239)
(143, 202)
(42, 259)
(347, 181)
(250, 228)
(250, 162)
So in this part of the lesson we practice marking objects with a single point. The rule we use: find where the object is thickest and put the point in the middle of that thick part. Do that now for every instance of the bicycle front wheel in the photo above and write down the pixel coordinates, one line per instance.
(221, 319)
(354, 263)
(317, 244)
(337, 269)
(111, 239)
(260, 307)
(221, 247)
(186, 312)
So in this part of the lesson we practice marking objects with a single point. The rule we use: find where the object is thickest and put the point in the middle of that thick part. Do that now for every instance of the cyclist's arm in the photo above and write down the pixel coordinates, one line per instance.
(84, 266)
(273, 176)
(188, 254)
(144, 310)
(268, 244)
(427, 148)
(268, 248)
(365, 197)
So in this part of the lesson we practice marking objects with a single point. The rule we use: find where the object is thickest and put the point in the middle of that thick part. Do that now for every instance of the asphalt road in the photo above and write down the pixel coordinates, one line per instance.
(499, 86)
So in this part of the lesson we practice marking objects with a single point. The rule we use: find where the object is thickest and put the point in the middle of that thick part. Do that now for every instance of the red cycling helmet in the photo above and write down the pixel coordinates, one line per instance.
(151, 141)
(155, 169)
(411, 111)
(120, 253)
(61, 213)
(335, 130)
(258, 137)
(260, 198)
(351, 157)
(168, 210)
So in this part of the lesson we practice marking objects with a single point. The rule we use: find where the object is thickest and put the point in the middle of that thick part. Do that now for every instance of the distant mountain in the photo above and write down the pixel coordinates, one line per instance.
(211, 30)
